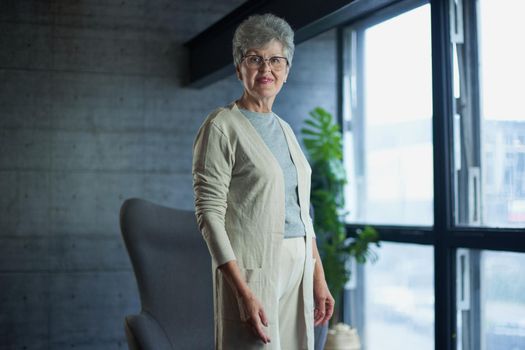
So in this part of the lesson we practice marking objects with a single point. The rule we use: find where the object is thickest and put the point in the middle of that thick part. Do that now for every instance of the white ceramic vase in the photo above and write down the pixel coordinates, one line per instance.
(342, 337)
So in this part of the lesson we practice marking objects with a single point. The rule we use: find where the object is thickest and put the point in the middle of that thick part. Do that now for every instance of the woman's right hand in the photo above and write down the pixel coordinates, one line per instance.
(253, 311)
(256, 316)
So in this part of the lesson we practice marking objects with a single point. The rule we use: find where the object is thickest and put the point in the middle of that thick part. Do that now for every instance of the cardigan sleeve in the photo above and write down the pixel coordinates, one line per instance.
(213, 161)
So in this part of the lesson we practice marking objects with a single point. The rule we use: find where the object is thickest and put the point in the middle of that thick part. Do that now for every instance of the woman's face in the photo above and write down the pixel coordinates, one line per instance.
(263, 83)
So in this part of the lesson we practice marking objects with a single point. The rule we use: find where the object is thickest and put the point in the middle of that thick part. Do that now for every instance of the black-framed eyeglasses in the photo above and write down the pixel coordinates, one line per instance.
(277, 63)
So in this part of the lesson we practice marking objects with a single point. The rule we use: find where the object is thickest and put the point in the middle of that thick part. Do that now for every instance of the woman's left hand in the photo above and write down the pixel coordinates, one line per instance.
(324, 302)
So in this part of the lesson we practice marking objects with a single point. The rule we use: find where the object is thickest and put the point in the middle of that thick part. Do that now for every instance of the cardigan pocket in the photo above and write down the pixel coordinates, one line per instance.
(230, 305)
(250, 274)
(236, 335)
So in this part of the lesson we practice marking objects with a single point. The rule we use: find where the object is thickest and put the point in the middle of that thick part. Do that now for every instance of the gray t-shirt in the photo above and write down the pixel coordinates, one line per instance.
(271, 132)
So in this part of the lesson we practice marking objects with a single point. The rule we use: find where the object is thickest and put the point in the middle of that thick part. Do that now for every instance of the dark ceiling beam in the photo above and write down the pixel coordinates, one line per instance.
(210, 52)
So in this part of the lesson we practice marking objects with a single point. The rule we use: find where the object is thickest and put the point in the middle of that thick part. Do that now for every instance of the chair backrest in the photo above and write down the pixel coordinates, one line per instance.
(172, 268)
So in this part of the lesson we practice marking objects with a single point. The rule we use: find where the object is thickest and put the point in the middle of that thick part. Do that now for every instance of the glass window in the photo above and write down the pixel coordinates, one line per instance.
(399, 299)
(491, 300)
(502, 300)
(388, 114)
(490, 114)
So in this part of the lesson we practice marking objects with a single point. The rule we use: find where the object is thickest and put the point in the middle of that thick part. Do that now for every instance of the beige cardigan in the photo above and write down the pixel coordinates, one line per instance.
(239, 202)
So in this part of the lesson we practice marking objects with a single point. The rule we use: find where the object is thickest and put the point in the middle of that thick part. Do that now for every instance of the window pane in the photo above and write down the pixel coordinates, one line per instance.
(491, 300)
(491, 117)
(503, 112)
(503, 300)
(399, 298)
(391, 175)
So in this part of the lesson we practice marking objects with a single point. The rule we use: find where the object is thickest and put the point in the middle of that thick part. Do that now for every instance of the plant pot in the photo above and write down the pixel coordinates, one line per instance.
(342, 337)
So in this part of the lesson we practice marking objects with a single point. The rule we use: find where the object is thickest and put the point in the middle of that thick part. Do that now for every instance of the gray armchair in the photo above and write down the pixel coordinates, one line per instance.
(172, 268)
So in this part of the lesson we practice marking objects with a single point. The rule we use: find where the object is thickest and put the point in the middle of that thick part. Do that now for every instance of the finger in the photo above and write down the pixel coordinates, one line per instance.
(320, 315)
(257, 330)
(254, 330)
(264, 319)
(318, 318)
(329, 311)
(322, 306)
(260, 332)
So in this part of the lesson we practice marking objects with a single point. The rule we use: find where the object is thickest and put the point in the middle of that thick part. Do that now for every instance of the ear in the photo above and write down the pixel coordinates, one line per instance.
(286, 73)
(238, 72)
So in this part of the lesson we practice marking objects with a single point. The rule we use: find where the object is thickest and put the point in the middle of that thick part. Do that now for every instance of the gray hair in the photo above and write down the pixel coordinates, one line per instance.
(257, 31)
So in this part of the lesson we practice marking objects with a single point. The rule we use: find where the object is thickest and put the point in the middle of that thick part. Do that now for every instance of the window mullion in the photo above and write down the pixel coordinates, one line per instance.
(444, 254)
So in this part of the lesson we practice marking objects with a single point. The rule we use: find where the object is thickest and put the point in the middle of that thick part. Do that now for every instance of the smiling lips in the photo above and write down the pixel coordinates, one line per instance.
(265, 80)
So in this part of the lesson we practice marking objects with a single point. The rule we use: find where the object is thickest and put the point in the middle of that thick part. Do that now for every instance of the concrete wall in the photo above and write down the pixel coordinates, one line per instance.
(93, 111)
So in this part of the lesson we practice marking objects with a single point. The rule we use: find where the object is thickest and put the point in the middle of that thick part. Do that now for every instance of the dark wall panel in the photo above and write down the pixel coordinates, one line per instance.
(93, 110)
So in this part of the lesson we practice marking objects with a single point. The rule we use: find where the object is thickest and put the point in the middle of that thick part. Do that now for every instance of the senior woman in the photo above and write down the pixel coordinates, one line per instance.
(252, 187)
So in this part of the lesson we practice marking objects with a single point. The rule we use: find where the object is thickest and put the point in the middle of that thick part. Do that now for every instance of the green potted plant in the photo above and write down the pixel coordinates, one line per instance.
(323, 141)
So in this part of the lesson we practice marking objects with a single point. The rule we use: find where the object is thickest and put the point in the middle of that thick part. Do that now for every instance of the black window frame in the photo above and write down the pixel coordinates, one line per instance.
(445, 236)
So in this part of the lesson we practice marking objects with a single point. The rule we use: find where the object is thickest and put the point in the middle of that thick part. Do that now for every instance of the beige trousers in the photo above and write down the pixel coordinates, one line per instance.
(291, 331)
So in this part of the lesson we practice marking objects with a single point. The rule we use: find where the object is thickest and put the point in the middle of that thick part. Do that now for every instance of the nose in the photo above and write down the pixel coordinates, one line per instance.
(265, 66)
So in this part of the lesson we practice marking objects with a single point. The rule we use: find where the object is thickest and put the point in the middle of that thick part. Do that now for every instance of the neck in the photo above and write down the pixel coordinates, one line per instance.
(255, 105)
